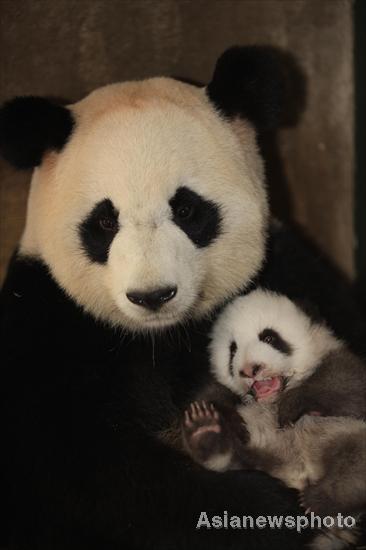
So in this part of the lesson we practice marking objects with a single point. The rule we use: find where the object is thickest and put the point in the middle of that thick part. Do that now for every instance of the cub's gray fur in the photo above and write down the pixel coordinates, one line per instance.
(305, 423)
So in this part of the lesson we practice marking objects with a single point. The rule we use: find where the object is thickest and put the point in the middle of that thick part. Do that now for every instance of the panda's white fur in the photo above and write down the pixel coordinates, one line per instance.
(136, 143)
(91, 395)
(245, 318)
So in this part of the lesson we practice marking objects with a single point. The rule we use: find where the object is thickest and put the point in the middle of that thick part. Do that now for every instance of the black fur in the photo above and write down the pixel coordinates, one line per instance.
(29, 126)
(249, 82)
(98, 230)
(199, 218)
(233, 350)
(272, 338)
(81, 404)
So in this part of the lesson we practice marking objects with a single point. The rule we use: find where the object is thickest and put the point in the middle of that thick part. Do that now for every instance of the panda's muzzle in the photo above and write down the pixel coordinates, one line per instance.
(154, 299)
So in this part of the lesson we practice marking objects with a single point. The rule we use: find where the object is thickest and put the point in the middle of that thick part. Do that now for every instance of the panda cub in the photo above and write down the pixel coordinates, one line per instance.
(289, 400)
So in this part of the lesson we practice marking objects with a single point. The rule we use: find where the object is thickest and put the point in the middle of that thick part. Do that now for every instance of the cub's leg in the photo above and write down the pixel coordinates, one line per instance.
(210, 437)
(343, 487)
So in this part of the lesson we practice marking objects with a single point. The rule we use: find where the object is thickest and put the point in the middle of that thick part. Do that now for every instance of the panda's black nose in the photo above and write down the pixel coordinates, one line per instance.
(153, 299)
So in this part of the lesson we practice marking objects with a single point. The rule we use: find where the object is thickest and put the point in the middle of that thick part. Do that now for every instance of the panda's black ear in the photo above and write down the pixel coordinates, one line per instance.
(29, 126)
(249, 82)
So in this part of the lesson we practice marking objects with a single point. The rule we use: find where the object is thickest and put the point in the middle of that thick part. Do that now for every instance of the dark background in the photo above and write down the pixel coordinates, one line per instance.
(66, 48)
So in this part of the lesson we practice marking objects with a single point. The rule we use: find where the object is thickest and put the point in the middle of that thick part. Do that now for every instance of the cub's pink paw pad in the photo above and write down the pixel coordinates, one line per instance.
(201, 418)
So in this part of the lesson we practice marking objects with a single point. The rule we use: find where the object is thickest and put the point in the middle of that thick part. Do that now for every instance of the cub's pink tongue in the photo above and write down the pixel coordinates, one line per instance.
(265, 388)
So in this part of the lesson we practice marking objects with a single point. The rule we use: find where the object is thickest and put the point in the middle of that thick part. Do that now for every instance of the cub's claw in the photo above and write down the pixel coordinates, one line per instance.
(201, 418)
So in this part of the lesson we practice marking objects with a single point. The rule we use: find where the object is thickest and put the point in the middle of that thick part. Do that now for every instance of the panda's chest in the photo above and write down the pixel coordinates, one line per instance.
(152, 385)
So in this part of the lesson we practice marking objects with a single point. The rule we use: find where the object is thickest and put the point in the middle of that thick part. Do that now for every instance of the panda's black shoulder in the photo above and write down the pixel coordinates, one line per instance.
(37, 313)
(25, 277)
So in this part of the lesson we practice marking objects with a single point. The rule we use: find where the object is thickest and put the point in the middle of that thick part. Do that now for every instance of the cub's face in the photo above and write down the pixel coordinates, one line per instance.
(264, 343)
(155, 210)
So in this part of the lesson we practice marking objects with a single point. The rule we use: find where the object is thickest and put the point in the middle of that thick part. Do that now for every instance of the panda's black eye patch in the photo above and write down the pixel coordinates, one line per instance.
(98, 229)
(233, 349)
(199, 218)
(272, 338)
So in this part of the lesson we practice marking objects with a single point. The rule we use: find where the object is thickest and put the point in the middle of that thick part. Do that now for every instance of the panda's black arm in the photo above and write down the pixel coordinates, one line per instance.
(76, 481)
(81, 468)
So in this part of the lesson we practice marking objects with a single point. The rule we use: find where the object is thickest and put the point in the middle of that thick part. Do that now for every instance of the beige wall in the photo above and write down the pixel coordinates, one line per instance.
(65, 48)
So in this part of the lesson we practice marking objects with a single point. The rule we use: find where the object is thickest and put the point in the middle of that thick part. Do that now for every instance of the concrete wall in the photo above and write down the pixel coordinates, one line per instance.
(65, 48)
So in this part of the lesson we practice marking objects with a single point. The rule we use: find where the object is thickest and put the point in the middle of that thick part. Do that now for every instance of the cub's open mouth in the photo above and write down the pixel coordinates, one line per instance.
(262, 389)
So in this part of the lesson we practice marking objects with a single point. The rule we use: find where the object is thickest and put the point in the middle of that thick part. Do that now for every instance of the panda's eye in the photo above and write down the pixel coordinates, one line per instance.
(184, 212)
(274, 339)
(269, 339)
(108, 224)
(197, 217)
(269, 336)
(98, 230)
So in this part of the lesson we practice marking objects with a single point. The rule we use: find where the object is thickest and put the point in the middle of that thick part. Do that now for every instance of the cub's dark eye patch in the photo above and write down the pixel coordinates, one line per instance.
(272, 338)
(98, 230)
(233, 349)
(199, 218)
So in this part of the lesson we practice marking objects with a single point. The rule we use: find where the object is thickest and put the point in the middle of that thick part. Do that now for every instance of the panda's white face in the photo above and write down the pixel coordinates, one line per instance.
(155, 211)
(263, 342)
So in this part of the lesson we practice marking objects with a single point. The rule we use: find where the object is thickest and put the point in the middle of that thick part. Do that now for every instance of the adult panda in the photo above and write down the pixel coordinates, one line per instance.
(147, 211)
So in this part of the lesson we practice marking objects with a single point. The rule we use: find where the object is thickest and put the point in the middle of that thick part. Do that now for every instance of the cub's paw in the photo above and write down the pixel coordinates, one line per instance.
(204, 432)
(315, 499)
(201, 419)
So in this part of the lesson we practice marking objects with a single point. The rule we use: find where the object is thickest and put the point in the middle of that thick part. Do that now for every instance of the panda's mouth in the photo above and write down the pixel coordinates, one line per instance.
(162, 320)
(268, 387)
(158, 321)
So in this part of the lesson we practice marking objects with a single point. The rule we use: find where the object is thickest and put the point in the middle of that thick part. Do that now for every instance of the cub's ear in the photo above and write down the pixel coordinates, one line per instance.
(29, 126)
(249, 82)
